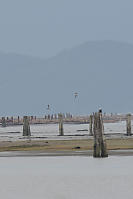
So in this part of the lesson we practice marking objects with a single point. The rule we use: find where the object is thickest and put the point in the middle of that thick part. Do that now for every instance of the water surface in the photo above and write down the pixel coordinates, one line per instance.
(66, 178)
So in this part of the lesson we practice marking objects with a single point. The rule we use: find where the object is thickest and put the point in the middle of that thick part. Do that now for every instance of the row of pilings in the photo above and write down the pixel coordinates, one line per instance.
(34, 119)
(26, 126)
(96, 129)
(128, 125)
(61, 119)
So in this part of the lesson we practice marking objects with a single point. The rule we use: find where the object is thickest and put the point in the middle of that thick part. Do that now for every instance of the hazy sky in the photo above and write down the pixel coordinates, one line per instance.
(45, 27)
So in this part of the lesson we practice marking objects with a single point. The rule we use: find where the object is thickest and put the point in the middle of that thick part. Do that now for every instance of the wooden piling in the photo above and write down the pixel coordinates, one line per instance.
(61, 131)
(26, 126)
(91, 125)
(3, 122)
(55, 116)
(18, 119)
(100, 149)
(128, 124)
(12, 119)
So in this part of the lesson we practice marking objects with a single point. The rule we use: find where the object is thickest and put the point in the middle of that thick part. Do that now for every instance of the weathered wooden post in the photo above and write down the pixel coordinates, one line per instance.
(91, 125)
(61, 131)
(18, 119)
(96, 150)
(3, 122)
(26, 126)
(128, 123)
(12, 120)
(100, 149)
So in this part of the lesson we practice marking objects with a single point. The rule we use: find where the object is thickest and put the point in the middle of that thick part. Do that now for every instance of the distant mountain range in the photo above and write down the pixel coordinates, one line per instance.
(100, 71)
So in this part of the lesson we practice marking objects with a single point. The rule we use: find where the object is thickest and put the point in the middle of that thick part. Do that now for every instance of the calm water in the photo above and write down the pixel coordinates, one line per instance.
(66, 178)
(51, 130)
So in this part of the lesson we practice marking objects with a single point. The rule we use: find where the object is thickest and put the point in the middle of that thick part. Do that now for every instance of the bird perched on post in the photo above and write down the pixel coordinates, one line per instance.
(75, 95)
(48, 107)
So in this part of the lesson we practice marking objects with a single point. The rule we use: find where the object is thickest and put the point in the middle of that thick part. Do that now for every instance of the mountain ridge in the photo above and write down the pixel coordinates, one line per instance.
(100, 71)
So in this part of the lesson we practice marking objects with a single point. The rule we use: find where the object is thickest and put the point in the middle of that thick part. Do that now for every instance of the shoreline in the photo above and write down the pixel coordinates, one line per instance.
(62, 153)
(115, 146)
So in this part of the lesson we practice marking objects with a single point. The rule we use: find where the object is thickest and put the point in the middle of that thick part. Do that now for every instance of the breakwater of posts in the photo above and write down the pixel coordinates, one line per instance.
(95, 138)
(54, 119)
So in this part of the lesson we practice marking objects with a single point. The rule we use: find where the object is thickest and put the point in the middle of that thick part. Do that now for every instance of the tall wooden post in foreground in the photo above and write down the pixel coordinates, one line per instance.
(3, 122)
(128, 122)
(91, 125)
(61, 131)
(26, 126)
(100, 149)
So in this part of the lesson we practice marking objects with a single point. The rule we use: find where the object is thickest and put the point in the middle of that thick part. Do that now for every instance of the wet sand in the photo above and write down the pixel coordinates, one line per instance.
(62, 153)
(115, 146)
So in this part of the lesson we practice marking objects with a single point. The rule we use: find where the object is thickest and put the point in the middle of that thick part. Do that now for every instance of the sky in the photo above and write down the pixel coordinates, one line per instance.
(44, 28)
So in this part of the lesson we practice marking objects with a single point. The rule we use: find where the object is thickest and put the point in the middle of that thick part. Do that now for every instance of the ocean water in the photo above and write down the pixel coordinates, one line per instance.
(51, 131)
(66, 178)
